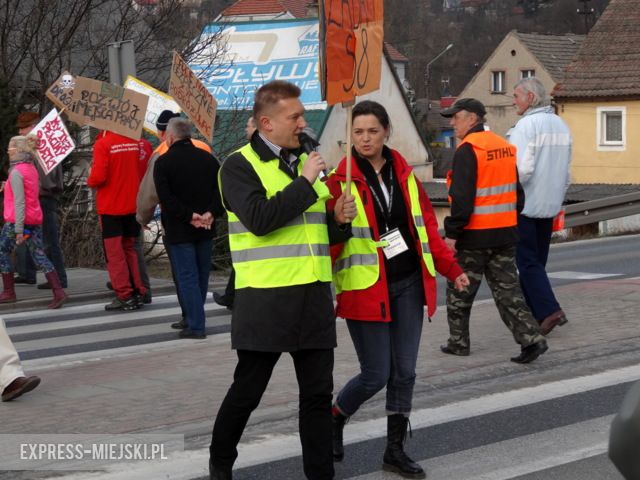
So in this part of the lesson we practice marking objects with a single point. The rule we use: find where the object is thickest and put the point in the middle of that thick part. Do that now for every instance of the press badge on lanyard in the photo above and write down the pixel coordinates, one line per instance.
(396, 244)
(392, 241)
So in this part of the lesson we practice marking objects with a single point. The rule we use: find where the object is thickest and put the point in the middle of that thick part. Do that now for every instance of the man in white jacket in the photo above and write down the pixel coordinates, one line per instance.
(13, 381)
(543, 144)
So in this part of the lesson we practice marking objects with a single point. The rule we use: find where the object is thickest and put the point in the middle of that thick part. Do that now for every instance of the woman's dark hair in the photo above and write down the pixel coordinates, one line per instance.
(369, 107)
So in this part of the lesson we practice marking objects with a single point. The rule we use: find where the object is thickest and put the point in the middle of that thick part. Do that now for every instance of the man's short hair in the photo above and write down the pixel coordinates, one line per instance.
(271, 93)
(179, 127)
(535, 86)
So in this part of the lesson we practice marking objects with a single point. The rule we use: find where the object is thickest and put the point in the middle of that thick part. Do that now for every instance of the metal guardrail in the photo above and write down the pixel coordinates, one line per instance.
(607, 208)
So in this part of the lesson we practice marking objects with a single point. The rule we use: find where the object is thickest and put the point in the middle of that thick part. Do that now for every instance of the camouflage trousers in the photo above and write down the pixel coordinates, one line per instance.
(498, 266)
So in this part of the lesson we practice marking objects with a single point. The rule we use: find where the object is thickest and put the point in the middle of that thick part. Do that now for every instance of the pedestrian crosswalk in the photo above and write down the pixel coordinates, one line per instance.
(552, 430)
(89, 328)
(555, 430)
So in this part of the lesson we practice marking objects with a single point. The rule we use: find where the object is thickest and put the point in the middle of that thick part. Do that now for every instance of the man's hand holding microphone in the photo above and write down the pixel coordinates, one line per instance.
(314, 167)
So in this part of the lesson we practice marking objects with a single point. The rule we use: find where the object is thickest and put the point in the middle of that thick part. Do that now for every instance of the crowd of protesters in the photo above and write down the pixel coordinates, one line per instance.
(292, 234)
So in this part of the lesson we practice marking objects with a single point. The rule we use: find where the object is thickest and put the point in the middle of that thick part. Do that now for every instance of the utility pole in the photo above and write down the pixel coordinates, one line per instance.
(122, 61)
(587, 11)
(427, 77)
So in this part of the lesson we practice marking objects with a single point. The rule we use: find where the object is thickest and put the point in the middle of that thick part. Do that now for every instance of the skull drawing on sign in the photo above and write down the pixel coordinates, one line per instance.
(67, 81)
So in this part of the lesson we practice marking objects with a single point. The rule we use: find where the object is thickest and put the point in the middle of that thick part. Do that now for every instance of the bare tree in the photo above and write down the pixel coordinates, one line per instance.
(39, 39)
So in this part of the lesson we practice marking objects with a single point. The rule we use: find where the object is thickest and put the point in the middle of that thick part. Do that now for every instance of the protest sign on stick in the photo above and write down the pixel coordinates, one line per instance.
(194, 98)
(158, 101)
(351, 36)
(352, 33)
(54, 141)
(61, 94)
(109, 107)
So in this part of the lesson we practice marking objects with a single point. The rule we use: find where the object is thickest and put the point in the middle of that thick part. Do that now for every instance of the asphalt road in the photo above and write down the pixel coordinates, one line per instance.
(616, 256)
(493, 436)
(568, 263)
(465, 446)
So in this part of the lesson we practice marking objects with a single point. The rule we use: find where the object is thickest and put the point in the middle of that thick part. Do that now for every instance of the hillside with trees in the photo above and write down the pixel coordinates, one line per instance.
(421, 29)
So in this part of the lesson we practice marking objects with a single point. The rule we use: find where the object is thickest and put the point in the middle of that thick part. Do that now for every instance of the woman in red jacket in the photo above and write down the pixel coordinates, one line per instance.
(384, 276)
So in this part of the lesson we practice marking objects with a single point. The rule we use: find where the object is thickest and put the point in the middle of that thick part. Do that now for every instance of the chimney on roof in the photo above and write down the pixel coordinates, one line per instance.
(313, 9)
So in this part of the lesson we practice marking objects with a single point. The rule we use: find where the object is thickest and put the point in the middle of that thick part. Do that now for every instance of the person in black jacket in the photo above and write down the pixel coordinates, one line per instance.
(186, 181)
(273, 190)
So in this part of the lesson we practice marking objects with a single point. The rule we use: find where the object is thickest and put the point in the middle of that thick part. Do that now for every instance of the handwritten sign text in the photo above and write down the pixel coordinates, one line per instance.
(194, 98)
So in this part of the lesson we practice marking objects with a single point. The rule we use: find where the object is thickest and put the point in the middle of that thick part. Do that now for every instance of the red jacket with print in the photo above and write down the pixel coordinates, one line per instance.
(118, 165)
(372, 304)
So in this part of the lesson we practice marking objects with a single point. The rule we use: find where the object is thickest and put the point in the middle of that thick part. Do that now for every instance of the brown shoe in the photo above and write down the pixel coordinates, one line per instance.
(552, 321)
(19, 386)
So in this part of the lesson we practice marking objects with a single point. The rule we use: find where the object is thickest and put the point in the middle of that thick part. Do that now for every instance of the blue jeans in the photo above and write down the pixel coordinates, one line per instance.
(387, 352)
(167, 248)
(532, 252)
(51, 240)
(191, 263)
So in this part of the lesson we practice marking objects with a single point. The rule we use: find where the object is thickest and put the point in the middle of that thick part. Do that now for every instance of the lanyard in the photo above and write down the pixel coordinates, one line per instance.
(384, 207)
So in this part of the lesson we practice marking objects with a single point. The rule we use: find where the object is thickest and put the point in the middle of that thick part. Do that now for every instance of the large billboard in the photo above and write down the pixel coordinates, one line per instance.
(258, 52)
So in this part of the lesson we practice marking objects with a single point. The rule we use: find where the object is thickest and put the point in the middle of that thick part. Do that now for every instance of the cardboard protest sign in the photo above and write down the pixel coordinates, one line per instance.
(352, 33)
(109, 107)
(54, 141)
(158, 101)
(61, 92)
(193, 97)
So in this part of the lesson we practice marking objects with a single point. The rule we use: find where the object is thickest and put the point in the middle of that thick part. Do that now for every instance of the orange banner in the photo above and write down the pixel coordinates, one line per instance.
(352, 35)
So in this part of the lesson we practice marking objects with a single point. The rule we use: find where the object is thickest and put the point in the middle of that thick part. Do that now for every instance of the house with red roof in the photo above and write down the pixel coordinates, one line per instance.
(257, 10)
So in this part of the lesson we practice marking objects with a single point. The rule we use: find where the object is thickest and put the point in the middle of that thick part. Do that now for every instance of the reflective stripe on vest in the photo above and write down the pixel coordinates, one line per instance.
(418, 222)
(358, 267)
(296, 253)
(496, 183)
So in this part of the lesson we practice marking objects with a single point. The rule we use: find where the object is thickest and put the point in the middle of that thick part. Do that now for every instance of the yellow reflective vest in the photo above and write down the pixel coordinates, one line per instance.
(357, 267)
(294, 254)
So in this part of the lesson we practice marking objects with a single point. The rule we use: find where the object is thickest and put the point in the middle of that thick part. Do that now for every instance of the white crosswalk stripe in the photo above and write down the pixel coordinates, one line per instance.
(89, 328)
(568, 275)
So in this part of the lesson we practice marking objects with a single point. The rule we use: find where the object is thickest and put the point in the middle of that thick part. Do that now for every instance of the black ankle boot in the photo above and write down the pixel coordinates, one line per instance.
(219, 473)
(338, 420)
(395, 460)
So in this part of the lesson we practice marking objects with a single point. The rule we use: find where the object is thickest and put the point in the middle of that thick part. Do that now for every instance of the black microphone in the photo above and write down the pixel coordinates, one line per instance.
(308, 145)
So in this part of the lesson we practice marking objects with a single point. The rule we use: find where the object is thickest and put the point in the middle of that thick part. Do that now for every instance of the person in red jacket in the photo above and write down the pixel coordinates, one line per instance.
(384, 276)
(115, 174)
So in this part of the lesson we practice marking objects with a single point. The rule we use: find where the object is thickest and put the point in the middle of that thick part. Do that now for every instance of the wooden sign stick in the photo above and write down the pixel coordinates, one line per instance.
(349, 107)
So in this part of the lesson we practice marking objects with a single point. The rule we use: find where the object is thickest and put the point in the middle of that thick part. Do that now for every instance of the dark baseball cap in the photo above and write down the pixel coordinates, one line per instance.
(469, 104)
(163, 119)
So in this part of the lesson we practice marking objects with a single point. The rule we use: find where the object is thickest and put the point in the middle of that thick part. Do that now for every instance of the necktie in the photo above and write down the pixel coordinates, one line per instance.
(285, 155)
